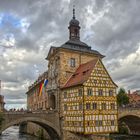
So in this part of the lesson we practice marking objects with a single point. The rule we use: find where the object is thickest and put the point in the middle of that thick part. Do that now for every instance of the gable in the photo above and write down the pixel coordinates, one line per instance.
(100, 76)
(51, 51)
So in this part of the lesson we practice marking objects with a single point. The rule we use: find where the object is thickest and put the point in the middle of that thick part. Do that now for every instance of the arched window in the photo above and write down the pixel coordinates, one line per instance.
(76, 32)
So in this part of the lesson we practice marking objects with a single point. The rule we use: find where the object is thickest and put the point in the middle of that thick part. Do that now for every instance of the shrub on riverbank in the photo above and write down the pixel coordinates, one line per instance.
(123, 130)
(40, 134)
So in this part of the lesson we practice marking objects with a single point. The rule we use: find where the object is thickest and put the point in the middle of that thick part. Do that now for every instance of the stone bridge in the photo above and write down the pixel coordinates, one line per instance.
(49, 121)
(131, 118)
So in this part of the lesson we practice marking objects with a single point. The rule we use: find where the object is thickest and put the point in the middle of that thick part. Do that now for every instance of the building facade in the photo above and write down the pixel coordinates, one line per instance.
(134, 99)
(88, 104)
(89, 100)
(36, 101)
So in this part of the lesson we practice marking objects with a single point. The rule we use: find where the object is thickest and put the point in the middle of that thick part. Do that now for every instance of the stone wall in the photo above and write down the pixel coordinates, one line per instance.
(34, 129)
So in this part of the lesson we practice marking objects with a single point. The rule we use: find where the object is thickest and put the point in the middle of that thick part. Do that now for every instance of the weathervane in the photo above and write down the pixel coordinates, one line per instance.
(73, 11)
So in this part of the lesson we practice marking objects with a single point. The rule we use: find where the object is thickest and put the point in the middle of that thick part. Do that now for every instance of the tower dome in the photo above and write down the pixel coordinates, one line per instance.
(74, 22)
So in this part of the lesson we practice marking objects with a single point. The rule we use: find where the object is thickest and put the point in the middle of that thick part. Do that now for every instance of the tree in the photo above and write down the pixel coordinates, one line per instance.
(122, 97)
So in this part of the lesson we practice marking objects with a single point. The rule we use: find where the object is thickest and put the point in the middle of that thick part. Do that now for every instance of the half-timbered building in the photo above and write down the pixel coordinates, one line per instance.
(89, 100)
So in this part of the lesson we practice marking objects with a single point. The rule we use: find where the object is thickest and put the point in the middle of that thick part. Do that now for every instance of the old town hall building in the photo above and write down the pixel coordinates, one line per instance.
(79, 86)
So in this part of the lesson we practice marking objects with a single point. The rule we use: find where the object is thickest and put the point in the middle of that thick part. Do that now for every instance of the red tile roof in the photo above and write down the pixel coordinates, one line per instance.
(81, 74)
(134, 97)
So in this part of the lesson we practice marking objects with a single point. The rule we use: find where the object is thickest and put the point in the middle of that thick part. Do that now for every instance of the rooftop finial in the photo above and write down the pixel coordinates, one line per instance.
(73, 11)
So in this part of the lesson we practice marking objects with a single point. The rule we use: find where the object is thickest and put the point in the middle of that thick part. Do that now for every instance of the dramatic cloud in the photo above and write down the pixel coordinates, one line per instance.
(29, 28)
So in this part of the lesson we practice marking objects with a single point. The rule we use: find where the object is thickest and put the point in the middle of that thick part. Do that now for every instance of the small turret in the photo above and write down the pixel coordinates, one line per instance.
(74, 28)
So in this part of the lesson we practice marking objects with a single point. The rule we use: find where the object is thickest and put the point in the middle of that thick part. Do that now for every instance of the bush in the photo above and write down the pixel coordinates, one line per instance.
(40, 134)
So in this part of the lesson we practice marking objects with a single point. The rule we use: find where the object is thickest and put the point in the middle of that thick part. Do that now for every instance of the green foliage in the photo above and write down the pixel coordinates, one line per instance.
(123, 129)
(122, 97)
(40, 134)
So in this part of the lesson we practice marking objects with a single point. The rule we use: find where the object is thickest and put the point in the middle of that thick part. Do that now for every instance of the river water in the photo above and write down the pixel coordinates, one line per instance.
(12, 133)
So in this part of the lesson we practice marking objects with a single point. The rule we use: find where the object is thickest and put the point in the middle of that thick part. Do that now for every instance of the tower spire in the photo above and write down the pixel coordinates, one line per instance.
(73, 11)
(74, 28)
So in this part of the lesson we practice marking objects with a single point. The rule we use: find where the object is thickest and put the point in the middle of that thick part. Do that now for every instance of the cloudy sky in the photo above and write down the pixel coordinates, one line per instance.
(28, 29)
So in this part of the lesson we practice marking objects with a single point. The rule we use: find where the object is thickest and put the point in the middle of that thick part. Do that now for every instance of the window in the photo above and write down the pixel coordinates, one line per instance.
(76, 32)
(65, 107)
(100, 92)
(88, 123)
(103, 106)
(112, 122)
(99, 123)
(95, 81)
(94, 105)
(87, 106)
(75, 107)
(80, 106)
(89, 92)
(71, 107)
(80, 124)
(72, 62)
(80, 92)
(110, 93)
(112, 106)
(65, 95)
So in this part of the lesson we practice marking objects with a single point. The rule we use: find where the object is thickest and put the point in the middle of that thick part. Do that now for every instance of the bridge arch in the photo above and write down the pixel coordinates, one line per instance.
(52, 130)
(132, 121)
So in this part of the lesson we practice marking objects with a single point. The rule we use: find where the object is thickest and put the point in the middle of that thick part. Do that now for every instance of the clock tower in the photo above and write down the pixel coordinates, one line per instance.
(74, 28)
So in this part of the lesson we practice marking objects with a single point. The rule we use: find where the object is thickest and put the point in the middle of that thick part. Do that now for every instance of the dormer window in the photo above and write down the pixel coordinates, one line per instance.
(84, 72)
(74, 75)
(72, 62)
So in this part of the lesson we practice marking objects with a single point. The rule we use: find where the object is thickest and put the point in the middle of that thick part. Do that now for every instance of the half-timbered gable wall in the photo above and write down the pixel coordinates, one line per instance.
(100, 102)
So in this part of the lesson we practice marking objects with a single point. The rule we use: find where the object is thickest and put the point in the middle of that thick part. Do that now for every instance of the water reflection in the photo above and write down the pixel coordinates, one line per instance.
(12, 133)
